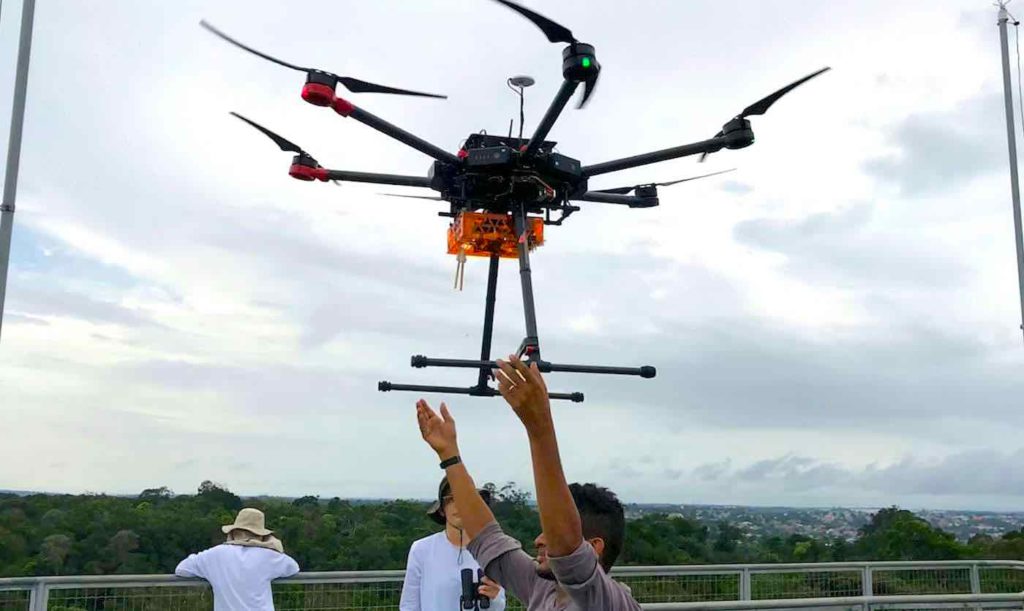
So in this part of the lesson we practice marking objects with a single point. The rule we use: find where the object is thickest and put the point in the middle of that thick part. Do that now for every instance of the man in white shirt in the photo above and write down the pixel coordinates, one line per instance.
(433, 575)
(241, 569)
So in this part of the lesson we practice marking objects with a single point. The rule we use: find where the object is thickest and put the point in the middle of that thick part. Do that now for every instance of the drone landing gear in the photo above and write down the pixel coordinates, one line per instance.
(529, 349)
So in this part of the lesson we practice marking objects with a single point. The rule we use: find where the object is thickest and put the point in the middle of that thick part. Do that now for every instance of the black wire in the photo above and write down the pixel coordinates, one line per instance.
(522, 117)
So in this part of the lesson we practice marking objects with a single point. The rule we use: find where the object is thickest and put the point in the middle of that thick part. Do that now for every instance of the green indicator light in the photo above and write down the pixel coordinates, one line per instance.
(586, 62)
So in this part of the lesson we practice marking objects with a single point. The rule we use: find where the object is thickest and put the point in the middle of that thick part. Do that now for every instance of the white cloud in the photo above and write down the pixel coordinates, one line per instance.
(845, 299)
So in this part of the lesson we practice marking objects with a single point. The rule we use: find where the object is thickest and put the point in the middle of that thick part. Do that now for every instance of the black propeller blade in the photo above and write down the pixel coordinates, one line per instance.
(352, 84)
(554, 32)
(286, 145)
(560, 33)
(627, 190)
(761, 106)
(588, 89)
(430, 197)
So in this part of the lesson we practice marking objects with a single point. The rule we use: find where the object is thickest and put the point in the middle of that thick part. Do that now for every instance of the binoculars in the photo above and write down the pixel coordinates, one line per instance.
(471, 597)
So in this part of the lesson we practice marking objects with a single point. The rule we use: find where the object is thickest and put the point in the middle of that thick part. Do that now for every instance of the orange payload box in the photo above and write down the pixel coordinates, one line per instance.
(481, 234)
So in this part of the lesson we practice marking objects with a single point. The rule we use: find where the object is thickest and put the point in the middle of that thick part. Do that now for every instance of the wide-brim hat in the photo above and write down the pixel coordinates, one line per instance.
(251, 520)
(436, 511)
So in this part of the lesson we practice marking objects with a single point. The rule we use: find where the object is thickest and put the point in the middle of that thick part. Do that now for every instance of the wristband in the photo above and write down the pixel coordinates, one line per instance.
(454, 460)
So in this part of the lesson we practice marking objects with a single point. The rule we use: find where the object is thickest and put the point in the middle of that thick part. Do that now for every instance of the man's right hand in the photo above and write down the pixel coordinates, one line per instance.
(437, 431)
(524, 389)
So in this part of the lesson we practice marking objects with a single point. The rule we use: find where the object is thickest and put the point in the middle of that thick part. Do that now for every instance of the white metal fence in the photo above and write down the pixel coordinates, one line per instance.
(866, 586)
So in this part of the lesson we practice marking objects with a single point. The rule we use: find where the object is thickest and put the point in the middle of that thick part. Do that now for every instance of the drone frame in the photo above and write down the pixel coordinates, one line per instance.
(579, 66)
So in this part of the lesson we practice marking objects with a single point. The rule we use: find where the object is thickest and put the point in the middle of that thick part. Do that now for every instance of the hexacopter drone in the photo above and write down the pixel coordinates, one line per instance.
(503, 190)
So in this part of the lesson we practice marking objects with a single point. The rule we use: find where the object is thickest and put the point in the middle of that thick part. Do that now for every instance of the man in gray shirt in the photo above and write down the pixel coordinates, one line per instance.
(583, 525)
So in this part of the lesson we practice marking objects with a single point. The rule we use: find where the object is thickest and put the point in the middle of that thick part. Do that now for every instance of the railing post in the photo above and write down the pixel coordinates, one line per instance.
(975, 582)
(39, 597)
(745, 584)
(867, 583)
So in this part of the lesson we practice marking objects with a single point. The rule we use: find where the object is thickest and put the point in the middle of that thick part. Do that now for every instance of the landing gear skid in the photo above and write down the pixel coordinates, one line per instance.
(529, 349)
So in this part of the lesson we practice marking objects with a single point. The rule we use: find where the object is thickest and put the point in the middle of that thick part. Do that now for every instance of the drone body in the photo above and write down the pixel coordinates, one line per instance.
(502, 191)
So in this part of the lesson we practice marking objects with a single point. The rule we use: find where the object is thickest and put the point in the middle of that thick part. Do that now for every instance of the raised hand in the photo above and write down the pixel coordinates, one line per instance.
(437, 430)
(524, 389)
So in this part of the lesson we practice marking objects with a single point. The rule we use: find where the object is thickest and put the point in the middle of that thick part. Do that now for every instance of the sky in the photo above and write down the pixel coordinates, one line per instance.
(834, 323)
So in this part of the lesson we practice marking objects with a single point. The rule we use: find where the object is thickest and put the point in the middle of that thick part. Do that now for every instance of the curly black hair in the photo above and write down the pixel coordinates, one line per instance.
(603, 517)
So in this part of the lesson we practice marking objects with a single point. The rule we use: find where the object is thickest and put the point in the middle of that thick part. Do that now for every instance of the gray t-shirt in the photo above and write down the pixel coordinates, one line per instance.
(588, 587)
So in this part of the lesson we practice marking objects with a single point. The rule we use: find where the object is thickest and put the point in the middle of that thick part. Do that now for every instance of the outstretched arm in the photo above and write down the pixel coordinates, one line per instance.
(439, 432)
(524, 389)
(501, 556)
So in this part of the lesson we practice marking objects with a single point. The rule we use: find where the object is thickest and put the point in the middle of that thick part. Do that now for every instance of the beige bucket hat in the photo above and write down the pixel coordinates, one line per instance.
(251, 520)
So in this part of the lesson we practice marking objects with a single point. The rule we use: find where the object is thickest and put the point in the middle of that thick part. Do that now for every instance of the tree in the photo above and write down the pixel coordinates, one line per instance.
(157, 494)
(307, 501)
(728, 538)
(54, 552)
(897, 534)
(218, 495)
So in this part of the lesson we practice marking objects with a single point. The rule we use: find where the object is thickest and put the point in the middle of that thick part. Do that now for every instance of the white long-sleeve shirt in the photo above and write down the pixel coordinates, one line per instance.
(433, 576)
(240, 575)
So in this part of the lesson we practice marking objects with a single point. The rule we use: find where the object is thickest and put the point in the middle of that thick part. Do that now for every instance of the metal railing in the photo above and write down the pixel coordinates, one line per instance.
(864, 585)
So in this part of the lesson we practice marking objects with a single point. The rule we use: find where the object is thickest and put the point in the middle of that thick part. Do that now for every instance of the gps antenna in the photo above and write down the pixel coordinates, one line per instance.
(521, 82)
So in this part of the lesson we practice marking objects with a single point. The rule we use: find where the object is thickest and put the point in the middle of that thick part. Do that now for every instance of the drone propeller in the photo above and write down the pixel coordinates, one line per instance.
(352, 84)
(554, 31)
(627, 190)
(303, 167)
(560, 33)
(286, 145)
(761, 106)
(430, 197)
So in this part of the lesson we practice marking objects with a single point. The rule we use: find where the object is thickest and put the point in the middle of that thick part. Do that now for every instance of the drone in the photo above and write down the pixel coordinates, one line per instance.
(502, 190)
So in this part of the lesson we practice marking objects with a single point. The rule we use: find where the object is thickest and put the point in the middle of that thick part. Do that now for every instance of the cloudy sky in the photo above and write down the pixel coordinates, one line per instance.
(835, 323)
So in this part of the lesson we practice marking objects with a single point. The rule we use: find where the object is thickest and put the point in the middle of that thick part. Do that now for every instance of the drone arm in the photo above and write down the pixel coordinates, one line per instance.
(380, 179)
(613, 198)
(704, 146)
(557, 105)
(347, 109)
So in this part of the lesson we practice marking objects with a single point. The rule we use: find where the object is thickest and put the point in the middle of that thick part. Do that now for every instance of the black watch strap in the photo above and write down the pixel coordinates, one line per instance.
(454, 460)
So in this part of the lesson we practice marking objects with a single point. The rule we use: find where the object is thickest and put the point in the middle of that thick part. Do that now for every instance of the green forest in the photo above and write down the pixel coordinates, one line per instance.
(98, 534)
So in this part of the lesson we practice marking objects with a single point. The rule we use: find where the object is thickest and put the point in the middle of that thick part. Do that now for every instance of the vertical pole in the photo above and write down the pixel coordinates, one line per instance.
(492, 292)
(39, 599)
(745, 585)
(975, 583)
(526, 279)
(866, 582)
(1011, 137)
(14, 147)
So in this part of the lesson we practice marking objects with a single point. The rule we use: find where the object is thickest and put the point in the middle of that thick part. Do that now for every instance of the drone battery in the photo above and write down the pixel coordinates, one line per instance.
(493, 156)
(481, 234)
(564, 167)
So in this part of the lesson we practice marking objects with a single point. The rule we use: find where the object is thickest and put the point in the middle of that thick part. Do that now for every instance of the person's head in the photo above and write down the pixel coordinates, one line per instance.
(240, 534)
(450, 511)
(604, 526)
(444, 511)
(249, 523)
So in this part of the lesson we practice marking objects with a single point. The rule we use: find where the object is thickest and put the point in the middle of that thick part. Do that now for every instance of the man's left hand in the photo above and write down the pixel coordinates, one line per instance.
(489, 588)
